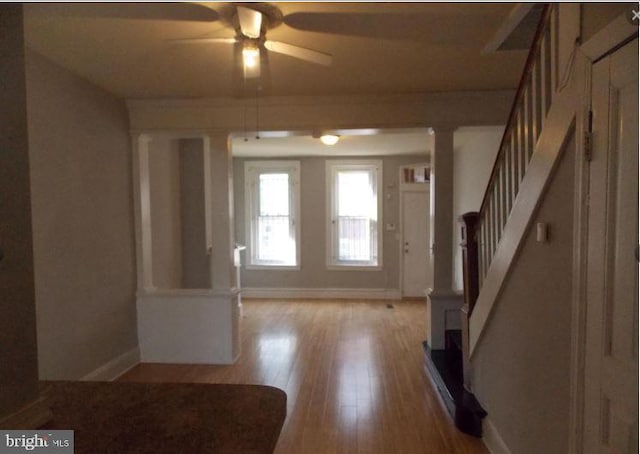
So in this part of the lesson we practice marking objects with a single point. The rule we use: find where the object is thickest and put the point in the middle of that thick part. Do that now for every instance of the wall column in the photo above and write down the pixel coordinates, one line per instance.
(218, 146)
(219, 199)
(442, 209)
(142, 209)
(443, 305)
(204, 322)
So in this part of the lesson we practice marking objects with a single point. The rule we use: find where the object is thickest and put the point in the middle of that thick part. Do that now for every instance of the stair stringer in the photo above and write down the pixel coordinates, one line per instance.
(557, 128)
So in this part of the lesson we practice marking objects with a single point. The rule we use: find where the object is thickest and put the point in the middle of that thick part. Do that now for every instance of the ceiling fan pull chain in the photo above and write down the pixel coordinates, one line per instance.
(244, 118)
(257, 116)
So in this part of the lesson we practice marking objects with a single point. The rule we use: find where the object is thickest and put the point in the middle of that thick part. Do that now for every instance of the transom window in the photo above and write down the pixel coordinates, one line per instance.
(355, 208)
(273, 192)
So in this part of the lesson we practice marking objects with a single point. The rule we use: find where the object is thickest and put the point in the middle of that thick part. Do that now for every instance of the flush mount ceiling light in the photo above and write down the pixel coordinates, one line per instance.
(329, 139)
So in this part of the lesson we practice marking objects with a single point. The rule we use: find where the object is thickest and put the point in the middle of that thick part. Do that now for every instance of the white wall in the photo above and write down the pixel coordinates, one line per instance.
(83, 228)
(474, 152)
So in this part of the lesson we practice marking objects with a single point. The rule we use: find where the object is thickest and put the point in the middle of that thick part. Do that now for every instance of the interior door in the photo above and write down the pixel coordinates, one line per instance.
(415, 238)
(611, 356)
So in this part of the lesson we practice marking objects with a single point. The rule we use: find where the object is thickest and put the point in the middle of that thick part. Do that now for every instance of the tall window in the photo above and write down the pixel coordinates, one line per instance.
(272, 194)
(355, 209)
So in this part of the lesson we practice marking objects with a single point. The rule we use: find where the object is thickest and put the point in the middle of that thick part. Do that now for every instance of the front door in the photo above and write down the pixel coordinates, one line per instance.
(415, 243)
(611, 356)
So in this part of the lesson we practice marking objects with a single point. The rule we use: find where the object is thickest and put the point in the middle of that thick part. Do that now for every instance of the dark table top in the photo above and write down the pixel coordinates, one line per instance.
(113, 417)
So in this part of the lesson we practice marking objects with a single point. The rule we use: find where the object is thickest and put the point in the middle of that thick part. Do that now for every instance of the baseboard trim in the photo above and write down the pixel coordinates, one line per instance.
(322, 293)
(32, 416)
(492, 439)
(116, 367)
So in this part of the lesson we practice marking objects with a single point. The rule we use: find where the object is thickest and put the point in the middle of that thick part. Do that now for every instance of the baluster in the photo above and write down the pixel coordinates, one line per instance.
(546, 75)
(525, 120)
(497, 195)
(509, 177)
(504, 189)
(535, 96)
(553, 27)
(524, 152)
(482, 244)
(479, 243)
(484, 249)
(489, 233)
(528, 127)
(492, 226)
(487, 243)
(496, 219)
(516, 171)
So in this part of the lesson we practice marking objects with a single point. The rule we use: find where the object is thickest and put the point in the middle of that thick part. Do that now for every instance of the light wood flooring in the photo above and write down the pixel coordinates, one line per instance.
(353, 374)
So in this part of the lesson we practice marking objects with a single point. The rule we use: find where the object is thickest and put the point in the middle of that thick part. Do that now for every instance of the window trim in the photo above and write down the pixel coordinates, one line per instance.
(252, 169)
(331, 169)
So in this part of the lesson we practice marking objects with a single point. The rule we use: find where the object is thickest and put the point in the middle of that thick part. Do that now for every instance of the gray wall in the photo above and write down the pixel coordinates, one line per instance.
(83, 229)
(313, 272)
(19, 362)
(166, 232)
(178, 238)
(521, 367)
(195, 261)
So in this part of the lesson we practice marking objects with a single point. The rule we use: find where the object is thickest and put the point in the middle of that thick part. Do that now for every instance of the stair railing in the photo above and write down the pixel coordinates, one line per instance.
(528, 113)
(482, 231)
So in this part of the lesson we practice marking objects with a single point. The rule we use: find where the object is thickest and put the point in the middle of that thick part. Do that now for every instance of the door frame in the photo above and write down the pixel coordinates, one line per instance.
(403, 188)
(602, 43)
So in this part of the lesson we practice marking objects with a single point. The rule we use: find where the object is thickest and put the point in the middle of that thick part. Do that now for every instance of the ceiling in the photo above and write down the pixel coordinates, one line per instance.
(377, 48)
(388, 48)
(415, 141)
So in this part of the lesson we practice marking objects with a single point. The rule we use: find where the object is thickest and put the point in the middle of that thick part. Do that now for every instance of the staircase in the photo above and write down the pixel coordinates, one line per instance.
(491, 237)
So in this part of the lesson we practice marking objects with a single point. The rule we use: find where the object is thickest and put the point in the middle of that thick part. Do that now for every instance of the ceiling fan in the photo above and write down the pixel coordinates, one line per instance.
(251, 22)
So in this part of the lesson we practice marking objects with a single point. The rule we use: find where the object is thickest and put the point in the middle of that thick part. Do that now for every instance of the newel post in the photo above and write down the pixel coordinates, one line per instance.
(470, 275)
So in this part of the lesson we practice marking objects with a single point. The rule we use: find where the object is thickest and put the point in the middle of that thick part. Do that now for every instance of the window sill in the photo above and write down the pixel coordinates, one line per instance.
(272, 267)
(336, 267)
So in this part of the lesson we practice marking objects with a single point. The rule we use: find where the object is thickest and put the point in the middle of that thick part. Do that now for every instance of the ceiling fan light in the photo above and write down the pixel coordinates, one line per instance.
(329, 139)
(250, 56)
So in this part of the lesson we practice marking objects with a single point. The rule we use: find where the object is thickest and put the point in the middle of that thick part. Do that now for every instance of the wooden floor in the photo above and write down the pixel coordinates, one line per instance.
(352, 371)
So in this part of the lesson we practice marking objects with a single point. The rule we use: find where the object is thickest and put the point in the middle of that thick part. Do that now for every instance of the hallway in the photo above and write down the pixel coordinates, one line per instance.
(352, 371)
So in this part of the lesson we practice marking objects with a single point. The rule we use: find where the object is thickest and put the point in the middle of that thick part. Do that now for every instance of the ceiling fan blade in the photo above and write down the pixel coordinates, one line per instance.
(205, 40)
(250, 22)
(302, 53)
(139, 11)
